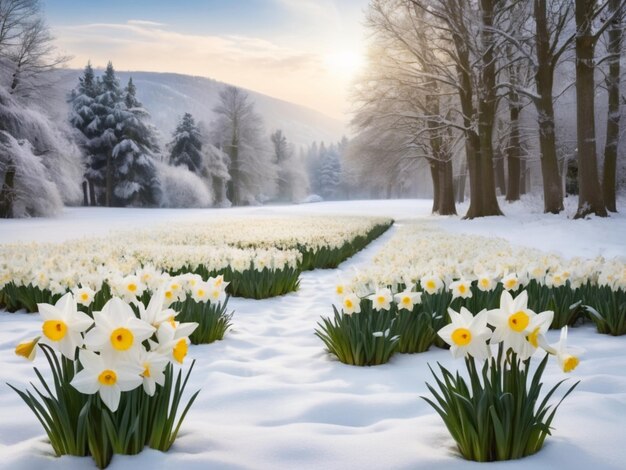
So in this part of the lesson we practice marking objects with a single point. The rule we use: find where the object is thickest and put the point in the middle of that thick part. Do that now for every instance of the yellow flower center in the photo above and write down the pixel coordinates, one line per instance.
(132, 287)
(55, 330)
(406, 300)
(518, 321)
(200, 292)
(380, 299)
(174, 286)
(122, 339)
(26, 349)
(146, 370)
(107, 377)
(84, 296)
(462, 336)
(172, 321)
(348, 303)
(180, 350)
(570, 363)
(431, 284)
(484, 282)
(511, 283)
(462, 289)
(219, 281)
(169, 294)
(339, 290)
(533, 338)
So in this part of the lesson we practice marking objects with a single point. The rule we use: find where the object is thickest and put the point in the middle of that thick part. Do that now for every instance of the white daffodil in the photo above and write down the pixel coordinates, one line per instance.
(217, 295)
(486, 282)
(84, 295)
(407, 299)
(201, 291)
(218, 282)
(153, 364)
(538, 326)
(461, 288)
(513, 322)
(467, 334)
(510, 281)
(170, 344)
(63, 325)
(129, 287)
(155, 313)
(342, 289)
(431, 284)
(106, 375)
(351, 304)
(567, 360)
(117, 328)
(381, 300)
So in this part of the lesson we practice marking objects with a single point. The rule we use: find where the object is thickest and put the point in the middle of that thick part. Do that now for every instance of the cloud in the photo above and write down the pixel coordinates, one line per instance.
(293, 74)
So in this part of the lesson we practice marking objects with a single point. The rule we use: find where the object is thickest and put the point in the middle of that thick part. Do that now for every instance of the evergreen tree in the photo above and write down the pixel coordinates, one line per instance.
(330, 173)
(135, 177)
(282, 157)
(186, 145)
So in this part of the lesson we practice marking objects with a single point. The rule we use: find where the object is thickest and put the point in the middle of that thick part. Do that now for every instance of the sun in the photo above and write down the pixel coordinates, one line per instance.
(345, 63)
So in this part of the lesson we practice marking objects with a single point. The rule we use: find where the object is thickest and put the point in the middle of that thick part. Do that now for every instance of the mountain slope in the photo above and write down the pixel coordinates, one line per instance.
(167, 96)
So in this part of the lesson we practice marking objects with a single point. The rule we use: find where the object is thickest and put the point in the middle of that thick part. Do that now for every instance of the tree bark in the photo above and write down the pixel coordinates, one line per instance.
(447, 204)
(92, 194)
(523, 180)
(614, 47)
(590, 200)
(544, 78)
(498, 163)
(434, 174)
(513, 150)
(85, 194)
(7, 193)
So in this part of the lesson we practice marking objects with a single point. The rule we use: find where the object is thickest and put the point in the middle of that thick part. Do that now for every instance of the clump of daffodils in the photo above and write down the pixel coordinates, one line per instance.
(502, 392)
(117, 349)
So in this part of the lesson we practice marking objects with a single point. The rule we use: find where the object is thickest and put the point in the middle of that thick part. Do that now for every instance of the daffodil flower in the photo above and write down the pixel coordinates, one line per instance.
(538, 326)
(63, 325)
(407, 299)
(431, 284)
(106, 375)
(567, 360)
(461, 288)
(201, 292)
(485, 283)
(381, 300)
(28, 349)
(170, 344)
(155, 313)
(153, 364)
(467, 334)
(84, 295)
(510, 282)
(351, 304)
(513, 322)
(117, 328)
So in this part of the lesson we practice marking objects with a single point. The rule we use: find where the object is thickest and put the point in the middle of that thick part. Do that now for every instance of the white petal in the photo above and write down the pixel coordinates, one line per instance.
(110, 395)
(86, 382)
(49, 312)
(149, 386)
(92, 361)
(96, 338)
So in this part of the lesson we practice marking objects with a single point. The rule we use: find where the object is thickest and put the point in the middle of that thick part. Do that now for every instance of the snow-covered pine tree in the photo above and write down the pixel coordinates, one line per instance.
(186, 145)
(82, 100)
(109, 114)
(135, 180)
(330, 173)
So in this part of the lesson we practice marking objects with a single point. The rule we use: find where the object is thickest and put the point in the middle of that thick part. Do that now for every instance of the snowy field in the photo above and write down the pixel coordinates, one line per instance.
(272, 398)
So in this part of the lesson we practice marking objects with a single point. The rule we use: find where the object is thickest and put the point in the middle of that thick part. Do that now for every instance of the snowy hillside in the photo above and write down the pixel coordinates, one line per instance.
(168, 96)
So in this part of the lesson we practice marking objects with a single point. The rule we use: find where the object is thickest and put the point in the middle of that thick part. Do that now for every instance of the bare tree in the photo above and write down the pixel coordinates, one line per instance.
(614, 53)
(590, 199)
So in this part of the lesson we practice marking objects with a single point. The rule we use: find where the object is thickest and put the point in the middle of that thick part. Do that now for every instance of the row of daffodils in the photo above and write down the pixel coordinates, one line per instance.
(265, 262)
(488, 302)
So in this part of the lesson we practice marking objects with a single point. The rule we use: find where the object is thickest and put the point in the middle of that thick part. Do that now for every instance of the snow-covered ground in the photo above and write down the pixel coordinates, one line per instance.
(273, 399)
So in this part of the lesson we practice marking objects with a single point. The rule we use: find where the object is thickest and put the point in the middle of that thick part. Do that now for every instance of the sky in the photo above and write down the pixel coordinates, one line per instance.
(304, 51)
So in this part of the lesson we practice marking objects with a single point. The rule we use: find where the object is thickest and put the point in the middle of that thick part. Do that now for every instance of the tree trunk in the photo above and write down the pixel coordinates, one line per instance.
(544, 78)
(234, 171)
(434, 174)
(85, 194)
(108, 198)
(523, 180)
(446, 188)
(487, 113)
(460, 184)
(498, 162)
(612, 127)
(590, 200)
(7, 192)
(92, 193)
(513, 150)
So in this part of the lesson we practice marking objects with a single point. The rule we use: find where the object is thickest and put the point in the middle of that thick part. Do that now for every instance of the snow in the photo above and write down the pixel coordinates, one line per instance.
(272, 398)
